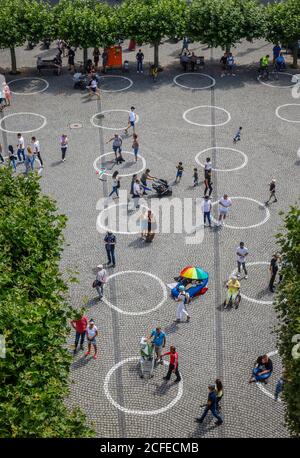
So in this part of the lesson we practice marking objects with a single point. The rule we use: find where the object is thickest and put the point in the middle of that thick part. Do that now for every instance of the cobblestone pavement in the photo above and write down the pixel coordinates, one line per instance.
(215, 342)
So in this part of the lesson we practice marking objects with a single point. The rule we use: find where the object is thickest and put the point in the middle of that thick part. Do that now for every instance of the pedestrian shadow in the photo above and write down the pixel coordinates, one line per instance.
(138, 243)
(92, 302)
(297, 162)
(163, 388)
(82, 362)
(263, 293)
(171, 328)
(54, 164)
(203, 429)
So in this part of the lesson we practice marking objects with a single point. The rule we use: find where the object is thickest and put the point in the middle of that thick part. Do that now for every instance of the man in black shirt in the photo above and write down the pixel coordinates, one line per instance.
(71, 57)
(262, 370)
(110, 243)
(139, 61)
(273, 271)
(272, 187)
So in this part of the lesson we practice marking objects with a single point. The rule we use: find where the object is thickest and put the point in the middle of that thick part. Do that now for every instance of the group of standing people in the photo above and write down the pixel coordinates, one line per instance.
(22, 155)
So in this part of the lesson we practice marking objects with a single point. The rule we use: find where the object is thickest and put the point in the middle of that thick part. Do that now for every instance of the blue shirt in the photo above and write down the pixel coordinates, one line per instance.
(212, 397)
(158, 338)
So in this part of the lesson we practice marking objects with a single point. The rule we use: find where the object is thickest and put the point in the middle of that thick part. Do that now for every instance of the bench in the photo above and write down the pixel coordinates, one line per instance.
(44, 64)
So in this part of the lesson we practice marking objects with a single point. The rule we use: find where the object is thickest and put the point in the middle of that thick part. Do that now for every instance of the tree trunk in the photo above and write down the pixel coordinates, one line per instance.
(85, 56)
(156, 45)
(227, 49)
(13, 61)
(295, 55)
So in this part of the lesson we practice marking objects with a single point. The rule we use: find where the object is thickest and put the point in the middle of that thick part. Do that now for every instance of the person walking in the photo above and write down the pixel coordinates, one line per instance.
(20, 148)
(185, 45)
(115, 184)
(195, 177)
(146, 176)
(64, 143)
(211, 406)
(71, 58)
(223, 62)
(230, 64)
(117, 147)
(36, 148)
(101, 279)
(137, 192)
(80, 324)
(139, 61)
(158, 340)
(91, 334)
(242, 253)
(183, 298)
(237, 136)
(12, 158)
(131, 120)
(93, 87)
(110, 243)
(208, 185)
(219, 393)
(173, 365)
(273, 268)
(135, 146)
(224, 204)
(179, 172)
(134, 177)
(272, 189)
(206, 209)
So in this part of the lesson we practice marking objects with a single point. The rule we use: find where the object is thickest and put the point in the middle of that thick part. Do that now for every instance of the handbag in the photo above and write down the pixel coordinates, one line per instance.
(96, 283)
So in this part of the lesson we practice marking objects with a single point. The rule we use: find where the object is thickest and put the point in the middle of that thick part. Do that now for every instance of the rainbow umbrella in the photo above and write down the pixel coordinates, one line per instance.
(194, 273)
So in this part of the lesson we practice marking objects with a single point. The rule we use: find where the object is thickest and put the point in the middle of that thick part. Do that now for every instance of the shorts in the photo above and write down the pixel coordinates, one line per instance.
(71, 62)
(117, 149)
(93, 341)
(158, 350)
(132, 123)
(223, 212)
(135, 150)
(94, 89)
(179, 174)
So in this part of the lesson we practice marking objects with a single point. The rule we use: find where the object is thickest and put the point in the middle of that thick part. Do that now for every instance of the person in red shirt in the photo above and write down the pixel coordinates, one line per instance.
(80, 325)
(173, 366)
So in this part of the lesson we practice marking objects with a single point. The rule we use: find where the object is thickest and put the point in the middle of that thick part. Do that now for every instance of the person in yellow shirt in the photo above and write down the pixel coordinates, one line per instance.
(233, 286)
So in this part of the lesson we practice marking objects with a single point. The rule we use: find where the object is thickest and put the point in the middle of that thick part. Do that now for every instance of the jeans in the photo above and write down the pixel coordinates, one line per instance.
(214, 413)
(139, 66)
(207, 215)
(111, 254)
(171, 368)
(99, 289)
(13, 162)
(271, 284)
(114, 189)
(63, 152)
(19, 153)
(78, 336)
(39, 158)
(243, 265)
(1, 158)
(279, 388)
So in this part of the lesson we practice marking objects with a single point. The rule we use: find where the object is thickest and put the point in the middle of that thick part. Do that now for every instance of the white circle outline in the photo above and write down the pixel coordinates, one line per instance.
(206, 125)
(250, 299)
(298, 152)
(195, 88)
(123, 174)
(23, 131)
(138, 412)
(29, 78)
(227, 148)
(107, 228)
(260, 385)
(286, 105)
(123, 312)
(268, 214)
(116, 76)
(110, 111)
(276, 87)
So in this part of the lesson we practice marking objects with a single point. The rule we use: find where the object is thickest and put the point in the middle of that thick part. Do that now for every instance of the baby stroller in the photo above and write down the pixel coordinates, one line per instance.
(80, 81)
(161, 187)
(147, 358)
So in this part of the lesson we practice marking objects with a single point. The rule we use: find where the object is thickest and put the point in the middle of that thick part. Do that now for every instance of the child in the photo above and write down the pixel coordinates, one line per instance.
(135, 146)
(7, 94)
(272, 191)
(195, 177)
(180, 169)
(237, 136)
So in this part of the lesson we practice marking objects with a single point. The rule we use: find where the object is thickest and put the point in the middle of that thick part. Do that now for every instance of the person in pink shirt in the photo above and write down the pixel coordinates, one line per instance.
(173, 366)
(7, 94)
(80, 325)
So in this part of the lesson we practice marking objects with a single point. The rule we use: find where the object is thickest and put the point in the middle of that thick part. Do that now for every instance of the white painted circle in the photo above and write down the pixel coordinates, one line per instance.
(123, 174)
(252, 225)
(223, 147)
(250, 299)
(23, 131)
(206, 125)
(138, 412)
(261, 385)
(29, 78)
(110, 111)
(298, 152)
(123, 312)
(286, 105)
(213, 81)
(117, 90)
(272, 85)
(101, 227)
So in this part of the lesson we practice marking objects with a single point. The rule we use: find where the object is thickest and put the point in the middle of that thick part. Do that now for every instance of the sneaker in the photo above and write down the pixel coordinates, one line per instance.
(165, 378)
(188, 319)
(246, 276)
(74, 352)
(218, 423)
(95, 356)
(177, 380)
(87, 353)
(275, 200)
(238, 275)
(199, 420)
(176, 321)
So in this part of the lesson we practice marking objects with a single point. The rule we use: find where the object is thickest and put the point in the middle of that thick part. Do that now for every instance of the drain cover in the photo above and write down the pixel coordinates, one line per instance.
(76, 125)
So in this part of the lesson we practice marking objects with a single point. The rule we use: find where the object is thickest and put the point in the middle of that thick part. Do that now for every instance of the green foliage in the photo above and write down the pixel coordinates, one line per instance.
(86, 23)
(12, 27)
(224, 23)
(283, 21)
(39, 21)
(33, 315)
(287, 306)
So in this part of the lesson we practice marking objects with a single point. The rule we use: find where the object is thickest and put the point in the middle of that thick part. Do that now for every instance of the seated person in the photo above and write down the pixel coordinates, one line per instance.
(184, 60)
(233, 286)
(262, 370)
(280, 62)
(193, 283)
(193, 60)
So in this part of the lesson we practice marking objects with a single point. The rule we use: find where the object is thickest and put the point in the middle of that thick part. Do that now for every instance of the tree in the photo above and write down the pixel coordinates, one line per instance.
(39, 21)
(85, 23)
(34, 315)
(287, 306)
(225, 23)
(148, 21)
(283, 25)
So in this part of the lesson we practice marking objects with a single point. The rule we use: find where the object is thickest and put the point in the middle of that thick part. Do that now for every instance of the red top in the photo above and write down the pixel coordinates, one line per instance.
(173, 358)
(80, 325)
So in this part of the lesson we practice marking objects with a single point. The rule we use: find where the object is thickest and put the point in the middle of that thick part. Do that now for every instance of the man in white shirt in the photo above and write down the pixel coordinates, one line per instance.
(207, 167)
(20, 147)
(242, 253)
(35, 146)
(224, 204)
(101, 279)
(183, 297)
(131, 120)
(206, 209)
(137, 192)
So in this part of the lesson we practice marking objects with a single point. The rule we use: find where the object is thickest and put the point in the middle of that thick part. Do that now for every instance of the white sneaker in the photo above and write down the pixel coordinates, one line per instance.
(246, 276)
(238, 276)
